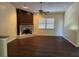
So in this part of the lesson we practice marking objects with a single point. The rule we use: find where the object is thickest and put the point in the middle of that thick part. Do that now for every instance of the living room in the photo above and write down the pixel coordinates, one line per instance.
(64, 24)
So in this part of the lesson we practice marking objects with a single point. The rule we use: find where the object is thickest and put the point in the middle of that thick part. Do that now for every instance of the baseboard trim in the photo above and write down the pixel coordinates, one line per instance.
(77, 45)
(46, 34)
(71, 42)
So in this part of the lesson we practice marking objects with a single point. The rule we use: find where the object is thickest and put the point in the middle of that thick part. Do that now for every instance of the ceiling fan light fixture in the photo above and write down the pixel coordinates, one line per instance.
(41, 11)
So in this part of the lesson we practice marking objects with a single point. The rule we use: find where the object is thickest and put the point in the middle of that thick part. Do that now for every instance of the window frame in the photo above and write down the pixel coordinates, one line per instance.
(45, 22)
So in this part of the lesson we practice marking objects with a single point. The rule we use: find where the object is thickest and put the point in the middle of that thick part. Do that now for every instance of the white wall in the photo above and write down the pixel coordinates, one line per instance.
(7, 20)
(57, 31)
(71, 24)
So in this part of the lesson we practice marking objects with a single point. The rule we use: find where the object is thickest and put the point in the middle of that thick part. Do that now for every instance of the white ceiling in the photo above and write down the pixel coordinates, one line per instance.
(46, 6)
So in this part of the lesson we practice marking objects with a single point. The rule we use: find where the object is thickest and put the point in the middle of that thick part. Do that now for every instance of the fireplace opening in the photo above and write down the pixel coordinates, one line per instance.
(27, 31)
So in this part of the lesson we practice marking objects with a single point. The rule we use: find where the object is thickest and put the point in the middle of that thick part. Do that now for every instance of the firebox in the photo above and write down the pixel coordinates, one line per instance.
(26, 29)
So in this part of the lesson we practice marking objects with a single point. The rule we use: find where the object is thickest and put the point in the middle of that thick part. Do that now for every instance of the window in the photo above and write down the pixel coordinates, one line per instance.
(41, 24)
(48, 23)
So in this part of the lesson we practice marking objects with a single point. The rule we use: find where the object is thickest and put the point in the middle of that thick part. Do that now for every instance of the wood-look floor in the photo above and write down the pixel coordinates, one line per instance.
(42, 46)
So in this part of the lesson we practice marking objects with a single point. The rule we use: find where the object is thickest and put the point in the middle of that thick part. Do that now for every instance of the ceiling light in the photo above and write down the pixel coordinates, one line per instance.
(24, 6)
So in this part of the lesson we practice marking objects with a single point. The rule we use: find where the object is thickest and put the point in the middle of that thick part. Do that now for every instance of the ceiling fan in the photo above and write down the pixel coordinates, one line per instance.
(41, 11)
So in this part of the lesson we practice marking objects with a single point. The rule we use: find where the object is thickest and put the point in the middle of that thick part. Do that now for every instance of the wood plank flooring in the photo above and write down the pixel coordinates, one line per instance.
(42, 46)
